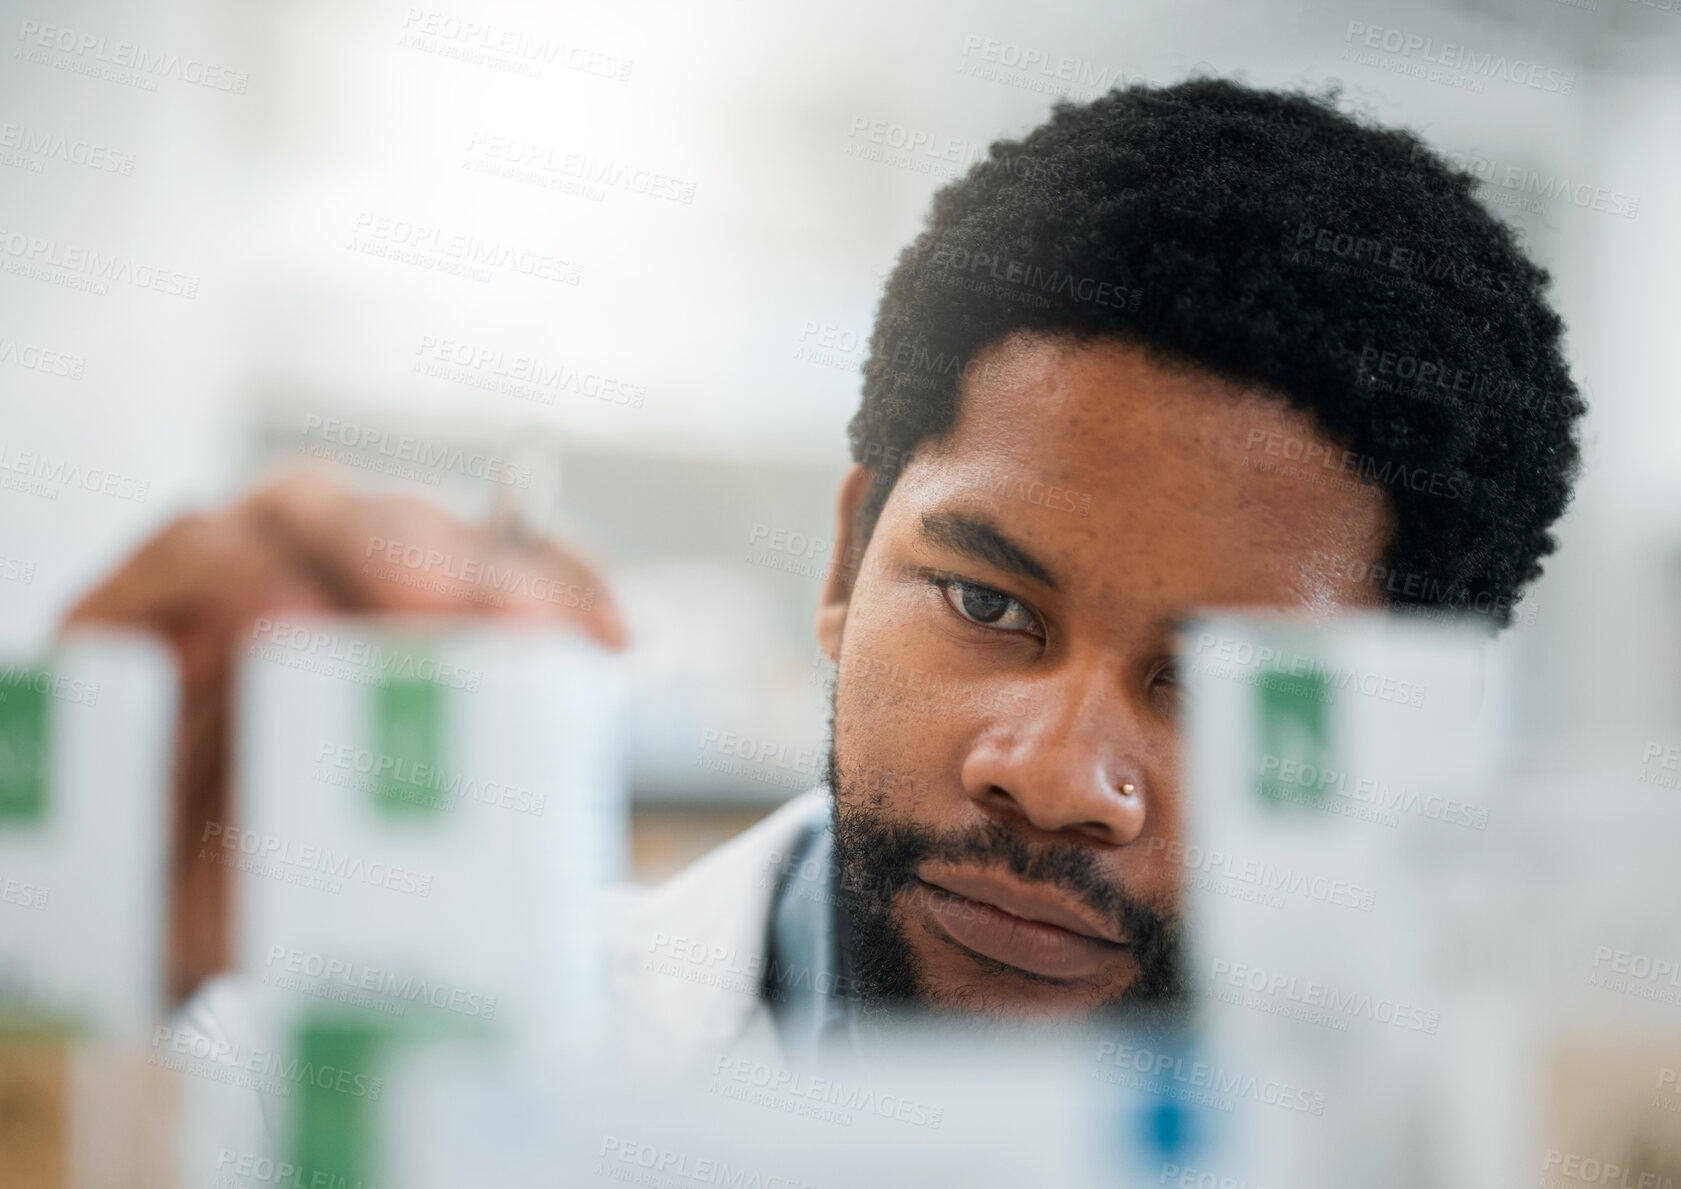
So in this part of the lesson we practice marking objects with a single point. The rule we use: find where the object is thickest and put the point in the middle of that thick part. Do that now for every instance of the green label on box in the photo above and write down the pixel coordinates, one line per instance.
(335, 1132)
(341, 1060)
(1293, 718)
(408, 745)
(25, 747)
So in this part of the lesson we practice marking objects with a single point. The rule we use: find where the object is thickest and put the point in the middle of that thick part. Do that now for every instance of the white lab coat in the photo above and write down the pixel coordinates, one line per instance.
(687, 960)
(691, 952)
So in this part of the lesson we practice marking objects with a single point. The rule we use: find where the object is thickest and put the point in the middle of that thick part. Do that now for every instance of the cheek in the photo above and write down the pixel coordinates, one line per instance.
(1156, 871)
(896, 717)
(894, 747)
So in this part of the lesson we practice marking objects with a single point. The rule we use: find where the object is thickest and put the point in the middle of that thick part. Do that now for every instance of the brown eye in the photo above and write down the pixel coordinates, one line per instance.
(983, 606)
(989, 608)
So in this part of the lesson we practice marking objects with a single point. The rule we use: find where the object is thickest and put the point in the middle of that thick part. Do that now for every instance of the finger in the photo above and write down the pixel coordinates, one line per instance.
(539, 577)
(399, 553)
(197, 583)
(167, 577)
(333, 535)
(388, 553)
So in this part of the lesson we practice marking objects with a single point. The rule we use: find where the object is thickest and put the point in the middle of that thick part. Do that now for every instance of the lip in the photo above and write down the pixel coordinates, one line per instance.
(1029, 930)
(1029, 902)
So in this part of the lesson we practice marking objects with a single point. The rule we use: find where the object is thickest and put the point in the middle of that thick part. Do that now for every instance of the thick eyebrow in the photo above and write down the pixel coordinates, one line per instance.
(977, 539)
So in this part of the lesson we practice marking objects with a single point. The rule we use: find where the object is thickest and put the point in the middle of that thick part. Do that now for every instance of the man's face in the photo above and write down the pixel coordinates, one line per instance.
(1007, 712)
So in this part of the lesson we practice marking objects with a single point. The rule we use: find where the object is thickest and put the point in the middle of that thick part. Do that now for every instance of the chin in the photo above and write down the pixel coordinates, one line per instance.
(1003, 1004)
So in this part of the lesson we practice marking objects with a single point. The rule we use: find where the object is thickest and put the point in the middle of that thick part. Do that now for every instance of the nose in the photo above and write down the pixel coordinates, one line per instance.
(1071, 764)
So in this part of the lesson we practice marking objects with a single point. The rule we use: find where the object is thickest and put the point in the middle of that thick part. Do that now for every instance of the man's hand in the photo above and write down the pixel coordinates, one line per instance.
(304, 543)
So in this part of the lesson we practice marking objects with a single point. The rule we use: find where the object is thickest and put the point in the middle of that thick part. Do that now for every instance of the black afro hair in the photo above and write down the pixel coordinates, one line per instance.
(1274, 241)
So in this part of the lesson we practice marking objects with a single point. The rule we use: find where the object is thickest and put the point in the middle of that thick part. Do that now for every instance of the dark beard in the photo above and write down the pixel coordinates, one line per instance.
(876, 859)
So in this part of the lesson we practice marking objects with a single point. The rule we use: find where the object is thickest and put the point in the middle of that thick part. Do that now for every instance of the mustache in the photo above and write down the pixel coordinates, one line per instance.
(895, 850)
(876, 858)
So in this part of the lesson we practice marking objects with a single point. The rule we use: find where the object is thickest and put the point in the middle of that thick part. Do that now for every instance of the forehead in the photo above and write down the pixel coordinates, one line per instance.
(1119, 468)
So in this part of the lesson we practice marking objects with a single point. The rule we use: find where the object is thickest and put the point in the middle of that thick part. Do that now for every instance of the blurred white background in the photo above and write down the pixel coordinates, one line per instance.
(700, 186)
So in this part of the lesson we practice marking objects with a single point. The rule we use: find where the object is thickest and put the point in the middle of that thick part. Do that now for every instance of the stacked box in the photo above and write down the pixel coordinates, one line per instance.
(85, 751)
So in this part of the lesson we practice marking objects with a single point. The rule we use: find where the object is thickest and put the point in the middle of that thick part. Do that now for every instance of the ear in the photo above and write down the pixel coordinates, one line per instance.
(844, 565)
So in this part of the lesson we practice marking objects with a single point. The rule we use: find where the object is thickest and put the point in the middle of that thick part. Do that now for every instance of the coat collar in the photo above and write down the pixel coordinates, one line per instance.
(692, 951)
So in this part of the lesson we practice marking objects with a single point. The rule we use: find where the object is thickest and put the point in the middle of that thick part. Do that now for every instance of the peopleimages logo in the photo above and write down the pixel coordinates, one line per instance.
(504, 48)
(53, 685)
(172, 1047)
(907, 144)
(406, 448)
(1262, 874)
(1409, 372)
(1523, 180)
(253, 1169)
(532, 160)
(310, 968)
(78, 266)
(625, 1159)
(43, 146)
(1036, 68)
(765, 760)
(41, 359)
(522, 376)
(1335, 461)
(1380, 795)
(1640, 966)
(310, 858)
(785, 1088)
(430, 783)
(1587, 1170)
(449, 251)
(24, 895)
(1377, 257)
(16, 569)
(91, 53)
(1310, 993)
(480, 579)
(1029, 276)
(357, 658)
(1451, 56)
(1165, 1067)
(35, 473)
(1287, 663)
